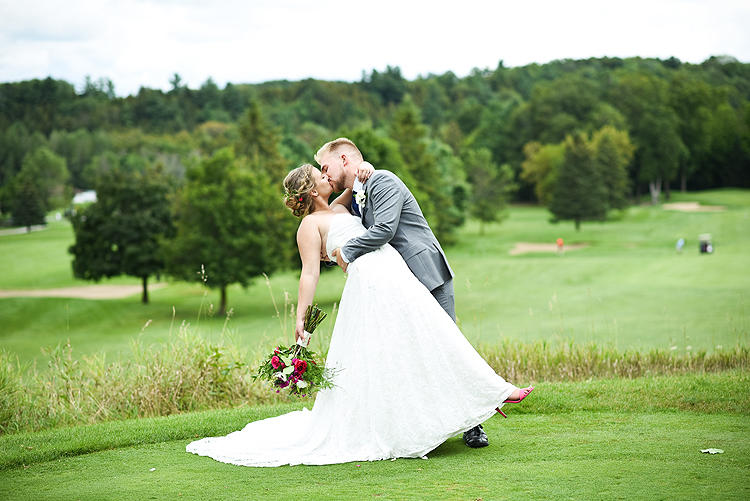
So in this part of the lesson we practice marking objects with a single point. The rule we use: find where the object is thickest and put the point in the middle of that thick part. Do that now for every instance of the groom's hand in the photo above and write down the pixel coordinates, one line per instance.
(339, 260)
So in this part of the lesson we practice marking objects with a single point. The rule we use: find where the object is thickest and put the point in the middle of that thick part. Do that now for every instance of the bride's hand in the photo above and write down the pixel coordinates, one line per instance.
(364, 171)
(299, 330)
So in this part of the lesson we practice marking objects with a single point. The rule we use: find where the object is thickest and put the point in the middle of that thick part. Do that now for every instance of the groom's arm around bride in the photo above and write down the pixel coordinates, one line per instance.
(392, 215)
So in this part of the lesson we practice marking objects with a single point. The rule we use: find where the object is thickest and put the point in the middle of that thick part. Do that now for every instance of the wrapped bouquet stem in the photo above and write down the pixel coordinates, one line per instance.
(313, 317)
(295, 367)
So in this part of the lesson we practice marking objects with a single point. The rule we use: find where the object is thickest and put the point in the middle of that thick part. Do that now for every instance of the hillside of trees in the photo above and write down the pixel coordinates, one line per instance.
(617, 129)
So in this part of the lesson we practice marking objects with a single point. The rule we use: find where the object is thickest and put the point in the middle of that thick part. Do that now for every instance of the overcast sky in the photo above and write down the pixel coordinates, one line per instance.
(144, 42)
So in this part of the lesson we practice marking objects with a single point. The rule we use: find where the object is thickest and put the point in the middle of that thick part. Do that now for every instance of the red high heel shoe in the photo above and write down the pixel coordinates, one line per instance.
(523, 394)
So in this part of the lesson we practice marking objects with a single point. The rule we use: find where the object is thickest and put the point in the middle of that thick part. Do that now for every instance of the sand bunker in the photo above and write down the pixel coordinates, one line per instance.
(527, 247)
(693, 207)
(83, 292)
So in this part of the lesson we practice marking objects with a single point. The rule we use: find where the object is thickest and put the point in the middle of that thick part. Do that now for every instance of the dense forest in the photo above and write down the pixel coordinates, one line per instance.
(689, 122)
(582, 137)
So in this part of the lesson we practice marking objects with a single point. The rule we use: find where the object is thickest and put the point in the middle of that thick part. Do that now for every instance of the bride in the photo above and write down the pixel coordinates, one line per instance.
(406, 377)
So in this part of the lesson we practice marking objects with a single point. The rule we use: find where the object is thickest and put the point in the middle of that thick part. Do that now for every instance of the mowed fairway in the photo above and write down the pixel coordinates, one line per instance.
(627, 288)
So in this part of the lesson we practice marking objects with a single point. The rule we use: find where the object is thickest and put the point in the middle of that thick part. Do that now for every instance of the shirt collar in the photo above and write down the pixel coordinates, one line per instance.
(358, 186)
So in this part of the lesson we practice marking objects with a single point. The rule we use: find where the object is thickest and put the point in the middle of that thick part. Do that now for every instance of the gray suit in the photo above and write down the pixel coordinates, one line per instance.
(392, 215)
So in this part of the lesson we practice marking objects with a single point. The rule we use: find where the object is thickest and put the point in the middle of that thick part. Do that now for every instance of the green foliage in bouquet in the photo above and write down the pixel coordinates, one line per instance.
(295, 367)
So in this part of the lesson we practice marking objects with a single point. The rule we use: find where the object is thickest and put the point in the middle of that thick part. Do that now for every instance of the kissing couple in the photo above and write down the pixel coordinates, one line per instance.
(406, 377)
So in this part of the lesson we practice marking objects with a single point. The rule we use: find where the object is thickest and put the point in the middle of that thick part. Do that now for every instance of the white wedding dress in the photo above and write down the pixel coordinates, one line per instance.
(407, 378)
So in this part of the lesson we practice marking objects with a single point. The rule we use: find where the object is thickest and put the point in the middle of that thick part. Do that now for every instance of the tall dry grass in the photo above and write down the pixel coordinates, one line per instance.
(185, 374)
(189, 373)
(542, 361)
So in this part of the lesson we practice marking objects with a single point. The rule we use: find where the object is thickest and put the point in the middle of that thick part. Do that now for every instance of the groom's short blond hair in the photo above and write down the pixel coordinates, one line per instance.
(337, 145)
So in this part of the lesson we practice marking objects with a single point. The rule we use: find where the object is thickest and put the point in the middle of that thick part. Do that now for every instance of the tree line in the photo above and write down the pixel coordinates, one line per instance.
(582, 137)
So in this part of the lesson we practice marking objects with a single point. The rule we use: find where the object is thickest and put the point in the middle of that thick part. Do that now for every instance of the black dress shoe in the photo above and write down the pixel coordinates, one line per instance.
(476, 437)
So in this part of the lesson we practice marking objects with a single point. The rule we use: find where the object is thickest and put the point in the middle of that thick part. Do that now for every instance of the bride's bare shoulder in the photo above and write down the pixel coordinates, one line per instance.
(308, 222)
(312, 224)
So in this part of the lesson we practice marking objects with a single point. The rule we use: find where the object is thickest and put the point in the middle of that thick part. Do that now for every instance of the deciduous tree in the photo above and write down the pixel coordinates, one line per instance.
(123, 231)
(230, 222)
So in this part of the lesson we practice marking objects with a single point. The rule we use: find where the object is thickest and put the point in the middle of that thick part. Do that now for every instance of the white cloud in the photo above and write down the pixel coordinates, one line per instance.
(143, 42)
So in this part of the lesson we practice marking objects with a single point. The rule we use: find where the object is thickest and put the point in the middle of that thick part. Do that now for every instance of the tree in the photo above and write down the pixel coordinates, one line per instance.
(613, 152)
(452, 188)
(491, 185)
(580, 193)
(259, 142)
(541, 166)
(230, 222)
(28, 208)
(47, 172)
(694, 101)
(643, 99)
(122, 232)
(390, 86)
(411, 135)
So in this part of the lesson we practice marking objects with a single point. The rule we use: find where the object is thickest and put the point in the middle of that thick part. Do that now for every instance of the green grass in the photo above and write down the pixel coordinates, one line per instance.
(601, 439)
(628, 289)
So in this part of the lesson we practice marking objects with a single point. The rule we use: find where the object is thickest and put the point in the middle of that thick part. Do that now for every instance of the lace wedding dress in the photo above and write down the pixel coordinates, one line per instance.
(407, 378)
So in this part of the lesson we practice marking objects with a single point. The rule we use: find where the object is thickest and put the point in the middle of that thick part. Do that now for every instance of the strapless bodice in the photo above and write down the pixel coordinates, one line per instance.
(343, 228)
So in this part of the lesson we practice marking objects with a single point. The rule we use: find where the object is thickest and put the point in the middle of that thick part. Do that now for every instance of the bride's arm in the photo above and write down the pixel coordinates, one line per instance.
(364, 171)
(344, 199)
(309, 243)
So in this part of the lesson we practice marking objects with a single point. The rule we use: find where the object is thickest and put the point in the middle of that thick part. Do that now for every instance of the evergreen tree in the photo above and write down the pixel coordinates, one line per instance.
(452, 189)
(491, 185)
(122, 232)
(613, 152)
(28, 204)
(411, 135)
(580, 193)
(230, 223)
(259, 142)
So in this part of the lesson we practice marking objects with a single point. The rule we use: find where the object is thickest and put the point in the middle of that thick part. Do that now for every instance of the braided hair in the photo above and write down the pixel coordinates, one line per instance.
(297, 187)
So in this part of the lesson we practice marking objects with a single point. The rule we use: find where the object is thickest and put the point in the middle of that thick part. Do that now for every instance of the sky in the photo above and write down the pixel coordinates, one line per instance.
(144, 42)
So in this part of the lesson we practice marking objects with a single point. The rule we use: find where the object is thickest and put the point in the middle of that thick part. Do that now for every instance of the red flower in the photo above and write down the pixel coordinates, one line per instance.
(276, 351)
(276, 362)
(300, 199)
(300, 366)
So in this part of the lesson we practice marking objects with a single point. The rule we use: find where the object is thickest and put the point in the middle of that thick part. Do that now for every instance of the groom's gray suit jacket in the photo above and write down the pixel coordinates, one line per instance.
(392, 215)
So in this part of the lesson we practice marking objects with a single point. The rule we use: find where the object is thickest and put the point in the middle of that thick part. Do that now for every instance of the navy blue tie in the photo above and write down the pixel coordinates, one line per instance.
(355, 206)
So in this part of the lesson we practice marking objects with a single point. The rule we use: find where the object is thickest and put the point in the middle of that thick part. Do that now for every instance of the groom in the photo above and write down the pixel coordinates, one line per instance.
(392, 215)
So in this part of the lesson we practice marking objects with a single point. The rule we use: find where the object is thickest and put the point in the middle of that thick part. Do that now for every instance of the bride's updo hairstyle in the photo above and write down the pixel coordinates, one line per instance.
(297, 187)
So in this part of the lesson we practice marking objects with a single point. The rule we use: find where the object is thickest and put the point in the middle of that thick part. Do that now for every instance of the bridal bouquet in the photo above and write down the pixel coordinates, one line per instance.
(295, 367)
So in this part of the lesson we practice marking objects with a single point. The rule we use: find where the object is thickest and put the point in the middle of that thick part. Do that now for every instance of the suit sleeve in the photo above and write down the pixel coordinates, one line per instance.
(387, 200)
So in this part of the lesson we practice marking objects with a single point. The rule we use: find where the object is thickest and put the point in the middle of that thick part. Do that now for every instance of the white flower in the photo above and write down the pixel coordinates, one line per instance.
(360, 197)
(301, 384)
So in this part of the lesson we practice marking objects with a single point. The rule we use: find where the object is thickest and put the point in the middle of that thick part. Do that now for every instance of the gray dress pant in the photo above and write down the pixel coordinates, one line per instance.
(444, 295)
